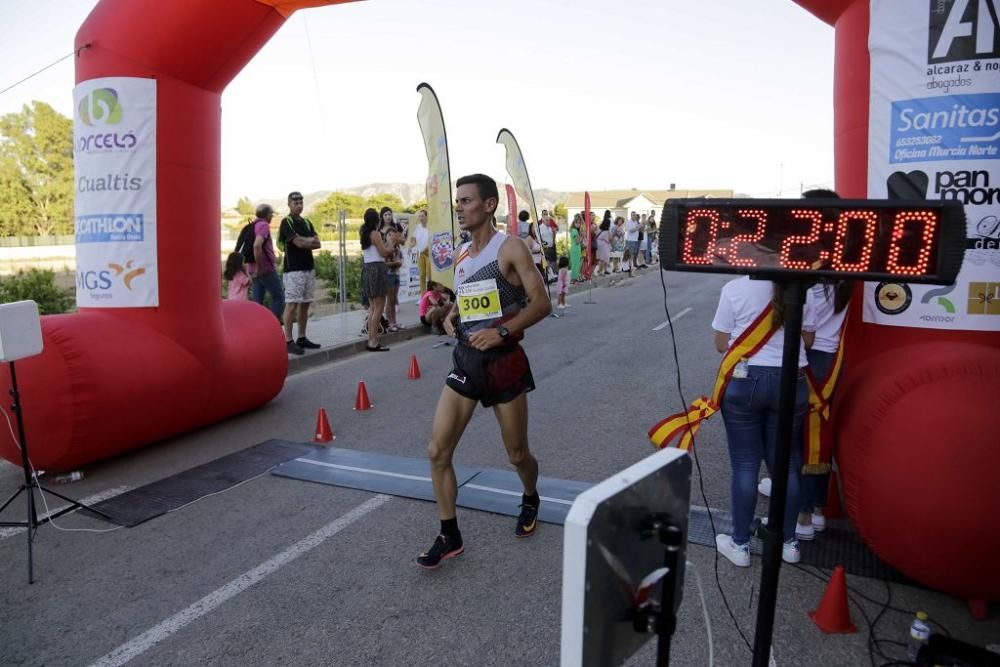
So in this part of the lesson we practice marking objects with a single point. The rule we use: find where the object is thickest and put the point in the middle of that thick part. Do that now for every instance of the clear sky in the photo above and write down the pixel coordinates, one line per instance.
(600, 94)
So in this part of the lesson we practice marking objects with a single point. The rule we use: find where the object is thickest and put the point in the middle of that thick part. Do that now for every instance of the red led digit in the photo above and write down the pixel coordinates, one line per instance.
(691, 230)
(928, 221)
(760, 226)
(864, 255)
(816, 224)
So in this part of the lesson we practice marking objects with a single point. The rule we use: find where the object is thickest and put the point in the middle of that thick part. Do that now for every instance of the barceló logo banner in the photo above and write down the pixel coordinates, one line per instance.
(115, 174)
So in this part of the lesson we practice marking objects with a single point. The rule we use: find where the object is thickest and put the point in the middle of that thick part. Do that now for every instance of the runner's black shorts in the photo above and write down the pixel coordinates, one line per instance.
(493, 376)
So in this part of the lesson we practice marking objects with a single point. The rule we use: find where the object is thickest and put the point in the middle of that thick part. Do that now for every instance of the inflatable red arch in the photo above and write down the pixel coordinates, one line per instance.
(918, 443)
(918, 438)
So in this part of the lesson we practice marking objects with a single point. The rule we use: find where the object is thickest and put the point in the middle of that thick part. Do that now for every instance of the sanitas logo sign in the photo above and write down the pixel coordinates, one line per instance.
(946, 128)
(963, 30)
(100, 107)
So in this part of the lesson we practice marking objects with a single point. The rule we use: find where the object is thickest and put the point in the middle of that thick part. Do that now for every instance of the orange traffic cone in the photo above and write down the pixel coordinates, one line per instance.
(362, 402)
(833, 615)
(323, 431)
(833, 509)
(414, 373)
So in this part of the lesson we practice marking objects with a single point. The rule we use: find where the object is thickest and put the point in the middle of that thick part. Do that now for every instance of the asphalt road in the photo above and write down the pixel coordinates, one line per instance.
(281, 572)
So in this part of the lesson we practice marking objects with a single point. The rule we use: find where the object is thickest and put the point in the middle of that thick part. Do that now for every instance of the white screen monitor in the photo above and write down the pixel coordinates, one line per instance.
(20, 330)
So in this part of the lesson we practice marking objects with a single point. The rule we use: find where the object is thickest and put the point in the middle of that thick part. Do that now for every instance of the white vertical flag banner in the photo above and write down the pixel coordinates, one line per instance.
(114, 156)
(934, 133)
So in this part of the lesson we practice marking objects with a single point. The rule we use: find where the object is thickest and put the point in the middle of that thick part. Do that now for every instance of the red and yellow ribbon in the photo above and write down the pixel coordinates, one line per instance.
(818, 431)
(687, 423)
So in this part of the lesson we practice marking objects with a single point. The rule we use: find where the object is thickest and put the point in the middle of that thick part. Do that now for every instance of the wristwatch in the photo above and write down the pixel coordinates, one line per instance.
(504, 332)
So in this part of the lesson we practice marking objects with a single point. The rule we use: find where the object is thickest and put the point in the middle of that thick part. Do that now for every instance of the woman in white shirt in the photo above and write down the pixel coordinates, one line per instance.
(750, 410)
(373, 280)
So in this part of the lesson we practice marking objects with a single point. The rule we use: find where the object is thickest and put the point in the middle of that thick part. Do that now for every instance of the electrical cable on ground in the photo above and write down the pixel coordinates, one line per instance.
(697, 462)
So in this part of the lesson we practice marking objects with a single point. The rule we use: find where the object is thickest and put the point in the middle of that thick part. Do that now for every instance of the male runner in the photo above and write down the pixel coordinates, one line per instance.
(493, 277)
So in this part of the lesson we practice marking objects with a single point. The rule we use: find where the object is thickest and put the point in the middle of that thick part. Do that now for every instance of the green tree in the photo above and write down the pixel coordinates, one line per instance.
(384, 199)
(559, 211)
(38, 141)
(327, 210)
(420, 204)
(38, 285)
(245, 207)
(15, 198)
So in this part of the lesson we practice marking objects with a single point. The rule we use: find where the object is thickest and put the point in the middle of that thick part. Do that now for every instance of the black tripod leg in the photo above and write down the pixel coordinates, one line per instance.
(11, 499)
(73, 505)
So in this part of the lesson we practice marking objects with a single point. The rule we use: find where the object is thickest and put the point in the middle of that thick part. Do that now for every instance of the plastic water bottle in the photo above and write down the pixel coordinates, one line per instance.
(68, 478)
(920, 632)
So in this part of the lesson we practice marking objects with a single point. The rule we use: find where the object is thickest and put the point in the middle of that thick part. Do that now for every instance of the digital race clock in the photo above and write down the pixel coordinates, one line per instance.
(917, 242)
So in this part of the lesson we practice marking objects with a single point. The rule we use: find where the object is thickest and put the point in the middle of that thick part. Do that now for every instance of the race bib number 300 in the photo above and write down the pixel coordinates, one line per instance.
(479, 300)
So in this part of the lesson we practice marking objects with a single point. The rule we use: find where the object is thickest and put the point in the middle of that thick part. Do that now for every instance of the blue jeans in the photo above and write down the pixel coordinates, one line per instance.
(750, 412)
(814, 487)
(270, 283)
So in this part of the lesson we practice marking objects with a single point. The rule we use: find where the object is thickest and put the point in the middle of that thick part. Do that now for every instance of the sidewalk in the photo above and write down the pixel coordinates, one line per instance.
(340, 333)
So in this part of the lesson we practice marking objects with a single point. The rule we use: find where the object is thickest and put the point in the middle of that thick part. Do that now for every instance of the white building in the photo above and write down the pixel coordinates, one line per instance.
(624, 202)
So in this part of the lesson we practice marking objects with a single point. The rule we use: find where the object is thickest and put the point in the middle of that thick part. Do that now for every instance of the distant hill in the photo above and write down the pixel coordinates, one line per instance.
(408, 192)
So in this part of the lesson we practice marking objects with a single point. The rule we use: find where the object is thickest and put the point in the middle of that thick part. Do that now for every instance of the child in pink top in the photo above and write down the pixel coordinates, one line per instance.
(432, 308)
(562, 282)
(236, 274)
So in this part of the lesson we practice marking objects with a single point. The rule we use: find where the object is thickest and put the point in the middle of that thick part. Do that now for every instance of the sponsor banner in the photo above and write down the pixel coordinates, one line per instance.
(934, 133)
(114, 158)
(518, 173)
(440, 219)
(409, 271)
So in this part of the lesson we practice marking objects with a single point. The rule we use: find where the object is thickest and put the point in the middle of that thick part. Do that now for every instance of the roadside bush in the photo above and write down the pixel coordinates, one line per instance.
(36, 285)
(328, 269)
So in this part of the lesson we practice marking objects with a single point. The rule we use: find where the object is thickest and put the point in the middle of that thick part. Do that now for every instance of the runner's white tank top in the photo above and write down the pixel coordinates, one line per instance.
(482, 273)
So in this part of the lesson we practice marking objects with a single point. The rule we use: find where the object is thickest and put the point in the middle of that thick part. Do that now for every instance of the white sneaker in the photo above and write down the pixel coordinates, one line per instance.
(818, 523)
(737, 555)
(764, 487)
(807, 533)
(790, 552)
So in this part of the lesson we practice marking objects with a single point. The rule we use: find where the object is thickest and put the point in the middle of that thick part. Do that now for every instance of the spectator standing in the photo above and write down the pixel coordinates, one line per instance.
(640, 257)
(236, 274)
(562, 281)
(632, 237)
(604, 245)
(575, 231)
(264, 269)
(373, 283)
(394, 241)
(298, 238)
(420, 243)
(547, 229)
(617, 243)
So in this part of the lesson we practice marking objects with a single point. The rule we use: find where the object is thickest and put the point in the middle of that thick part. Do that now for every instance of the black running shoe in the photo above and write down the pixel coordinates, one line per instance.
(307, 344)
(444, 547)
(293, 348)
(528, 521)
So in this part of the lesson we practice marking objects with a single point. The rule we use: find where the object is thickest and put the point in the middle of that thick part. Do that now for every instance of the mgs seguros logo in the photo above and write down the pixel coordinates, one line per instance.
(963, 30)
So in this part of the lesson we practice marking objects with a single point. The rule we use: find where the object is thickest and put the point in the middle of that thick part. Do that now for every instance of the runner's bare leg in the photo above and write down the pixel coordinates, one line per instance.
(450, 419)
(513, 419)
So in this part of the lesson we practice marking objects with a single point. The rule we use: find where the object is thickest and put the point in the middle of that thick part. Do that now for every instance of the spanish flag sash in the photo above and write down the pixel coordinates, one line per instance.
(818, 430)
(687, 423)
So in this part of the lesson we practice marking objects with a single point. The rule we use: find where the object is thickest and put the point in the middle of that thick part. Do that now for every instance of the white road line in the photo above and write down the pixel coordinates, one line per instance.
(89, 500)
(147, 640)
(417, 478)
(674, 318)
(369, 471)
(505, 492)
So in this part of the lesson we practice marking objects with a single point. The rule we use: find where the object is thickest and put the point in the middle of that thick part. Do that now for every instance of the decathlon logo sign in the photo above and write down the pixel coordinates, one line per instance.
(963, 30)
(100, 107)
(965, 127)
(109, 227)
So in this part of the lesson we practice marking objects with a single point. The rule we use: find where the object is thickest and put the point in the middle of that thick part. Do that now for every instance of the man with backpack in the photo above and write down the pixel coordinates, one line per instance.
(257, 249)
(297, 238)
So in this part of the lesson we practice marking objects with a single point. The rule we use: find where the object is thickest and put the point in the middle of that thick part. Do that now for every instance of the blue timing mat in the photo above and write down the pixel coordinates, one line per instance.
(497, 491)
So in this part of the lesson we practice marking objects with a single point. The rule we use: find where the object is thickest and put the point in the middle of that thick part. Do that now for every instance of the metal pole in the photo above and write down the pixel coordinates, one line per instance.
(342, 273)
(29, 481)
(793, 294)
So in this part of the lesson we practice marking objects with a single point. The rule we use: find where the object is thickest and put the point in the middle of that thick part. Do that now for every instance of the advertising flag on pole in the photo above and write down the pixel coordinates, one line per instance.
(518, 173)
(511, 210)
(440, 217)
(589, 266)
